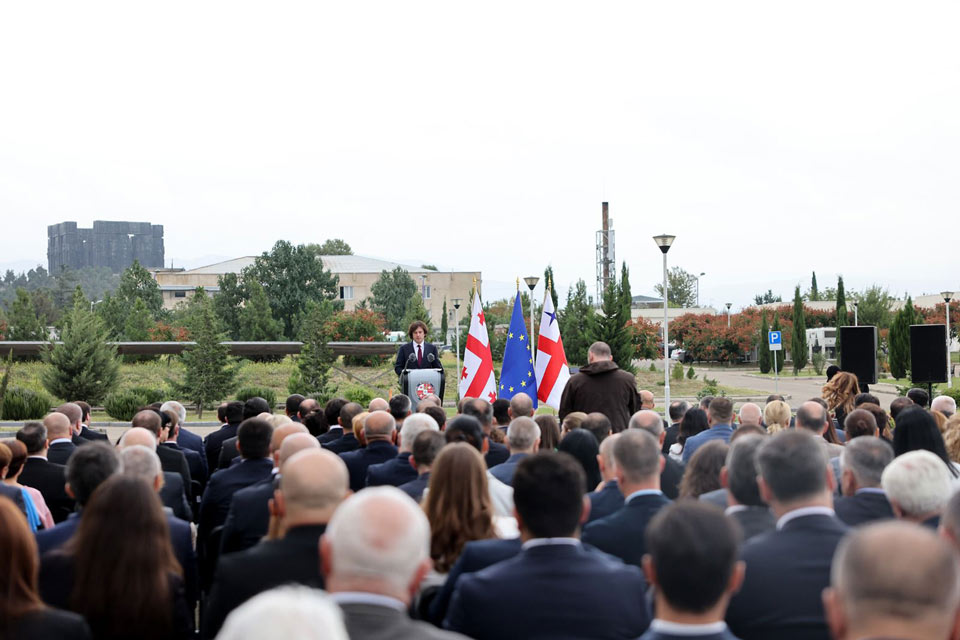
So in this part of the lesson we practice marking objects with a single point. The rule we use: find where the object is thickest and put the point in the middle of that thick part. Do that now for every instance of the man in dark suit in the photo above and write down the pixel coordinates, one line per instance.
(918, 485)
(399, 470)
(788, 569)
(213, 442)
(672, 472)
(74, 415)
(85, 471)
(331, 417)
(187, 439)
(341, 438)
(476, 555)
(608, 498)
(173, 461)
(46, 477)
(59, 437)
(523, 439)
(85, 431)
(678, 408)
(196, 462)
(739, 479)
(375, 553)
(862, 463)
(249, 516)
(172, 492)
(291, 407)
(426, 448)
(400, 407)
(483, 411)
(576, 592)
(893, 580)
(692, 565)
(380, 433)
(312, 485)
(252, 408)
(417, 353)
(639, 463)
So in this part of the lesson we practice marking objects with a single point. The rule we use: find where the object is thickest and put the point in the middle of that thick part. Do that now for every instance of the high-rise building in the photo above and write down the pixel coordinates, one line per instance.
(113, 244)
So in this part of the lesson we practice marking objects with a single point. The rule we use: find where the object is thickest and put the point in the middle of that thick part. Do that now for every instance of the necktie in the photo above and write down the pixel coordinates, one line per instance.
(419, 356)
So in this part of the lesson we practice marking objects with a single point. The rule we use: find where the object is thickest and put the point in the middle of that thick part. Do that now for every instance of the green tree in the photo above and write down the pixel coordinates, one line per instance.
(899, 339)
(873, 307)
(256, 321)
(777, 357)
(228, 303)
(444, 327)
(312, 375)
(292, 276)
(137, 283)
(334, 247)
(416, 311)
(798, 338)
(626, 298)
(392, 293)
(766, 298)
(551, 284)
(609, 326)
(575, 323)
(113, 312)
(764, 357)
(682, 288)
(44, 307)
(23, 321)
(83, 366)
(429, 267)
(137, 326)
(814, 291)
(842, 319)
(210, 372)
(66, 282)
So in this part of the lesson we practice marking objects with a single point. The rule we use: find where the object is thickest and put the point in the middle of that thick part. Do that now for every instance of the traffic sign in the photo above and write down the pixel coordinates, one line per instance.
(775, 340)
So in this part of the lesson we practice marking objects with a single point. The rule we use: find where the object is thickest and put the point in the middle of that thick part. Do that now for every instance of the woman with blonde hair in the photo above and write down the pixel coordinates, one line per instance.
(951, 437)
(357, 426)
(776, 415)
(840, 393)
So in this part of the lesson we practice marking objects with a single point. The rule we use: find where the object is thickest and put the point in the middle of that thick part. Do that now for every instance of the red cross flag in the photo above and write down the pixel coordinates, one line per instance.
(476, 377)
(552, 370)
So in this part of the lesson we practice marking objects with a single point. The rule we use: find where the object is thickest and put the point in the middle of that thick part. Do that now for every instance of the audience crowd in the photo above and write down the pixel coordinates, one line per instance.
(714, 522)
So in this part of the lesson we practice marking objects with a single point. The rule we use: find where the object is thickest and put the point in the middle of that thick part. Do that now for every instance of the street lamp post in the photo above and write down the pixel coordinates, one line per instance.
(856, 306)
(729, 304)
(697, 278)
(947, 297)
(456, 322)
(664, 241)
(531, 284)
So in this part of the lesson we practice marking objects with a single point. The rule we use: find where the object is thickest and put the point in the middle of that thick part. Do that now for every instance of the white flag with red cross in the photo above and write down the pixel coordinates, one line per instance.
(552, 370)
(476, 376)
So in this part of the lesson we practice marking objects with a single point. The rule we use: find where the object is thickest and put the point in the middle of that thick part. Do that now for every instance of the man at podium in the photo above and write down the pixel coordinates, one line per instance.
(418, 353)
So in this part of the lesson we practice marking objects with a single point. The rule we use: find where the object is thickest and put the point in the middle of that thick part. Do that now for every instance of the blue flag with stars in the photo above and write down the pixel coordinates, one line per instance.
(517, 374)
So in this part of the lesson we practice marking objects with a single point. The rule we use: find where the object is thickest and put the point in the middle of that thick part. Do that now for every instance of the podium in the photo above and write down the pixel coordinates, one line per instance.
(417, 384)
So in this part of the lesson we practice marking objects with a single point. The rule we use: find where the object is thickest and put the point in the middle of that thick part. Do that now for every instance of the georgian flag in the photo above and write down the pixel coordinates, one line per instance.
(552, 370)
(476, 377)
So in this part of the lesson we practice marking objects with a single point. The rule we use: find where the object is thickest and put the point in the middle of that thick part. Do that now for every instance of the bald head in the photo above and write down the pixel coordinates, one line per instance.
(138, 436)
(73, 412)
(647, 420)
(379, 425)
(293, 444)
(378, 404)
(280, 434)
(608, 466)
(313, 482)
(521, 406)
(149, 420)
(58, 425)
(646, 400)
(750, 414)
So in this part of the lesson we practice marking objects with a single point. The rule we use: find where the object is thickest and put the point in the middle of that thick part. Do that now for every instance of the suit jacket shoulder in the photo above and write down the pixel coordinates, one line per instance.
(372, 622)
(50, 623)
(621, 534)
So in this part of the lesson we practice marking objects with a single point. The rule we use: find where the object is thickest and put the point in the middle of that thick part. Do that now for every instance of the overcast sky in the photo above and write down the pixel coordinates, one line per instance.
(771, 138)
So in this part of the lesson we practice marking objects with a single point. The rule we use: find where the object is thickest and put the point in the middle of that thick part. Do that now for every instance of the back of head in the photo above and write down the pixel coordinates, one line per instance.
(522, 434)
(439, 415)
(286, 612)
(702, 473)
(331, 411)
(148, 419)
(866, 457)
(917, 584)
(832, 370)
(859, 422)
(501, 411)
(600, 351)
(481, 410)
(705, 402)
(426, 447)
(637, 455)
(464, 428)
(548, 493)
(313, 481)
(863, 398)
(792, 466)
(721, 410)
(945, 405)
(773, 397)
(58, 425)
(750, 414)
(648, 420)
(253, 438)
(899, 404)
(880, 416)
(176, 407)
(20, 561)
(777, 413)
(138, 436)
(348, 411)
(292, 404)
(377, 535)
(88, 467)
(581, 444)
(573, 421)
(677, 409)
(255, 406)
(141, 462)
(919, 483)
(34, 436)
(234, 412)
(378, 404)
(917, 430)
(549, 431)
(812, 417)
(72, 410)
(400, 406)
(597, 424)
(521, 406)
(295, 443)
(85, 409)
(413, 427)
(379, 425)
(742, 470)
(919, 396)
(693, 549)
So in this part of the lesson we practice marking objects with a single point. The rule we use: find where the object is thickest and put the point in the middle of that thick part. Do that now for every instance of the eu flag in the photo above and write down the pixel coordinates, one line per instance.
(517, 375)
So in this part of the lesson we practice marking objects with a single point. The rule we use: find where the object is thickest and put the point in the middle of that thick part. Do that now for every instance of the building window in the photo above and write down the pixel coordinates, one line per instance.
(346, 293)
(426, 292)
(179, 294)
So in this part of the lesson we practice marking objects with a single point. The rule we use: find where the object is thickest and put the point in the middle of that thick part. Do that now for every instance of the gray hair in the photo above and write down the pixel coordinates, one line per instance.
(637, 454)
(866, 457)
(521, 406)
(286, 612)
(945, 405)
(918, 481)
(414, 426)
(648, 420)
(141, 462)
(750, 414)
(522, 434)
(601, 350)
(792, 465)
(811, 416)
(742, 469)
(177, 408)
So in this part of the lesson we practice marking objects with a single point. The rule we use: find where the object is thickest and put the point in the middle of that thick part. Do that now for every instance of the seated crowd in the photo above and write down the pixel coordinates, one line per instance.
(388, 521)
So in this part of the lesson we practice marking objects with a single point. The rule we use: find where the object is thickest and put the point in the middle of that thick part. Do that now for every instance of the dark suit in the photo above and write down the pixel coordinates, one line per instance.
(505, 470)
(190, 440)
(48, 623)
(408, 350)
(358, 461)
(787, 571)
(248, 518)
(173, 495)
(213, 442)
(94, 436)
(394, 472)
(196, 463)
(496, 454)
(651, 634)
(670, 478)
(378, 622)
(228, 453)
(621, 533)
(293, 559)
(347, 443)
(416, 487)
(49, 479)
(174, 461)
(575, 592)
(335, 433)
(717, 497)
(753, 520)
(863, 507)
(221, 487)
(475, 556)
(673, 431)
(60, 452)
(605, 501)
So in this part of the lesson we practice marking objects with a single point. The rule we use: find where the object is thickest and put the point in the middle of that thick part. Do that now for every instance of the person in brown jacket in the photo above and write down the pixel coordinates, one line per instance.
(602, 386)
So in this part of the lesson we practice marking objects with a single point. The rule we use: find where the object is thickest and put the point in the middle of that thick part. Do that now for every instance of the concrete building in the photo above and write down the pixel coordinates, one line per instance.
(113, 244)
(356, 275)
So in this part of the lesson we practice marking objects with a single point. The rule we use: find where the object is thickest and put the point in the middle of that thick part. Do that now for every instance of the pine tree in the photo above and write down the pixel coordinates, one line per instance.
(416, 311)
(551, 286)
(228, 303)
(210, 371)
(24, 322)
(899, 340)
(814, 292)
(626, 298)
(83, 366)
(764, 358)
(444, 326)
(136, 283)
(608, 326)
(257, 323)
(798, 340)
(312, 376)
(777, 357)
(113, 312)
(139, 322)
(575, 323)
(842, 319)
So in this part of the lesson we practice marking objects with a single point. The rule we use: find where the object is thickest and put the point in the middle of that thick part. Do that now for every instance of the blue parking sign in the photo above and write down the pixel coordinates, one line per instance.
(775, 341)
(775, 337)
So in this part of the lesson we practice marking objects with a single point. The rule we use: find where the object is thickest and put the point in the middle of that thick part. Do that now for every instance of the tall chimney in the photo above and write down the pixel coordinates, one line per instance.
(606, 243)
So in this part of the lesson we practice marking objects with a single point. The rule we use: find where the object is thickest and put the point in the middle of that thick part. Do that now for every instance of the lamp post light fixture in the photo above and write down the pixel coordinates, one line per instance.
(856, 307)
(947, 297)
(664, 242)
(697, 278)
(729, 304)
(456, 323)
(531, 282)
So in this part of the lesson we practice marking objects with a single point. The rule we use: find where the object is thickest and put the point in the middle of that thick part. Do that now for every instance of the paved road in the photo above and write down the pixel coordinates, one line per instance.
(799, 389)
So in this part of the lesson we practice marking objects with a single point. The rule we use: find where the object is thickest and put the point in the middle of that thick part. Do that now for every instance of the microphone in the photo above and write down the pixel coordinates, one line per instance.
(411, 359)
(431, 358)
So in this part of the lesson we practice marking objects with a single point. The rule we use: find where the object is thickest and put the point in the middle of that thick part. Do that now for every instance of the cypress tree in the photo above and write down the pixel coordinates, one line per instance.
(257, 323)
(312, 376)
(764, 358)
(778, 360)
(83, 366)
(548, 276)
(814, 291)
(210, 371)
(608, 326)
(798, 339)
(444, 327)
(899, 340)
(842, 319)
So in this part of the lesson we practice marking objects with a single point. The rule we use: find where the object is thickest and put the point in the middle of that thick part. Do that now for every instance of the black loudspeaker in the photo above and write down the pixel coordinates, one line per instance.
(928, 352)
(858, 352)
